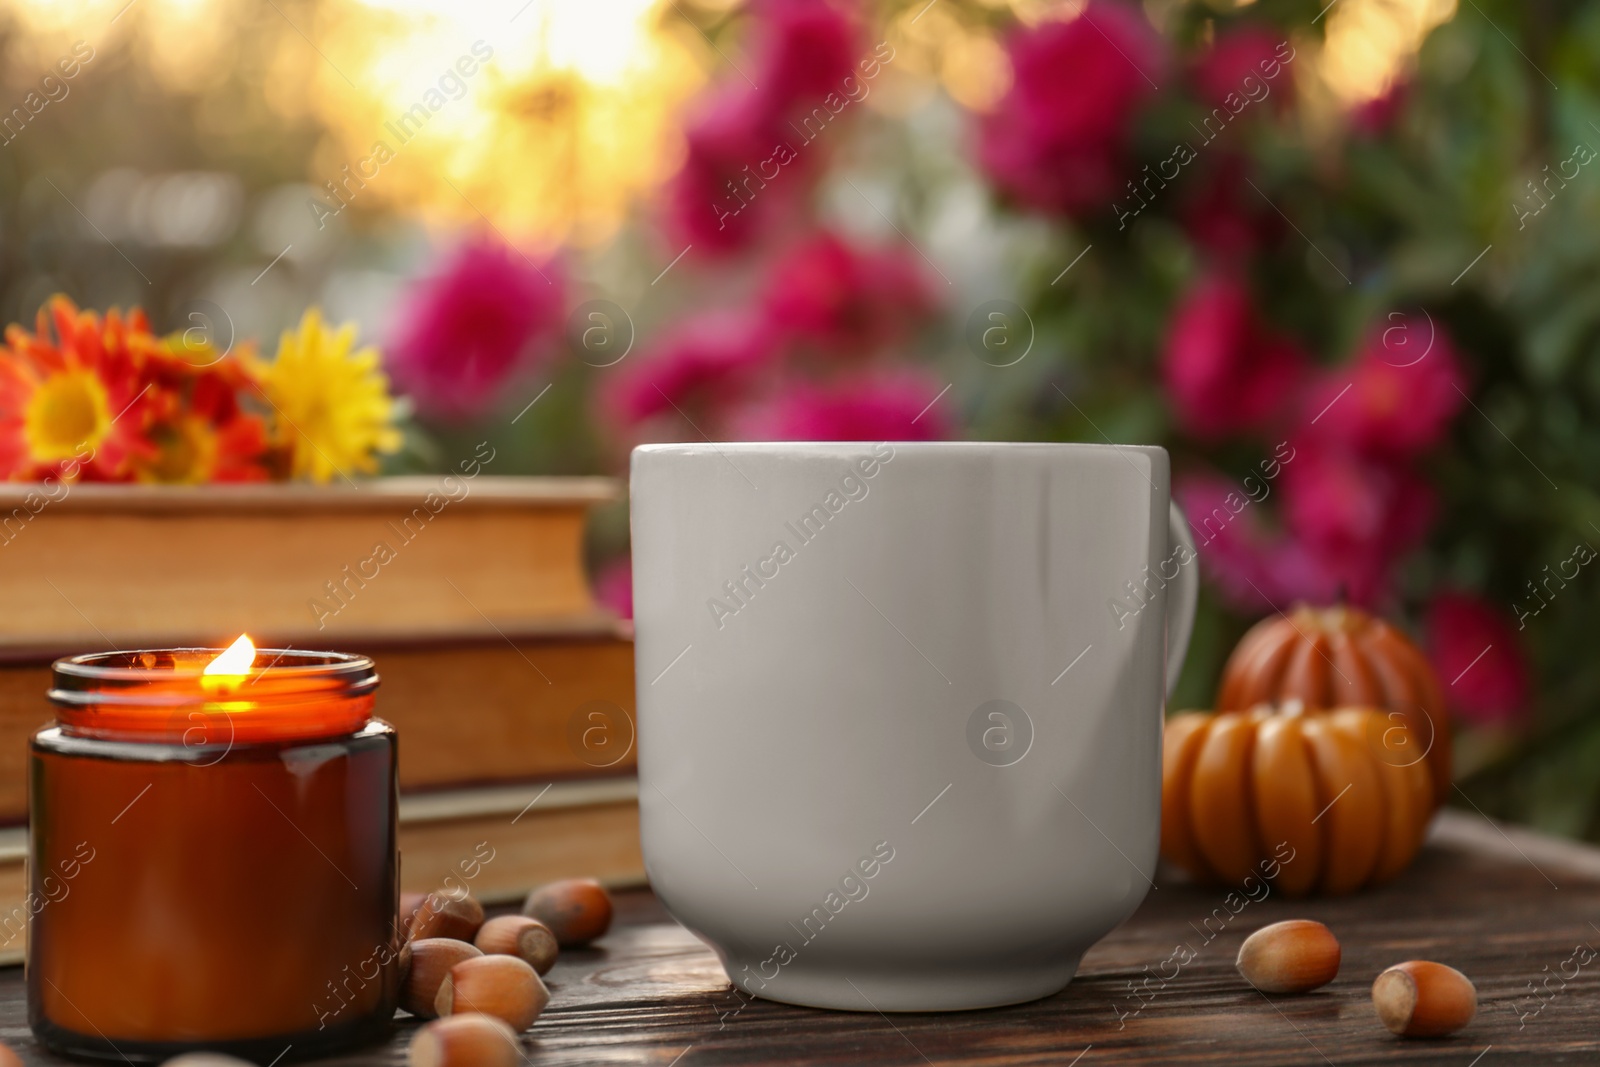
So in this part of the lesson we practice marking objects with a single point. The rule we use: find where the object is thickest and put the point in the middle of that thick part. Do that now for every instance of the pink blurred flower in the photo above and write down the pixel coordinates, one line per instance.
(1253, 568)
(1247, 64)
(613, 586)
(745, 165)
(1224, 215)
(1335, 497)
(1399, 396)
(719, 200)
(706, 361)
(847, 300)
(467, 330)
(895, 406)
(1480, 663)
(1055, 141)
(1351, 503)
(806, 50)
(1225, 372)
(1346, 521)
(1356, 515)
(1227, 533)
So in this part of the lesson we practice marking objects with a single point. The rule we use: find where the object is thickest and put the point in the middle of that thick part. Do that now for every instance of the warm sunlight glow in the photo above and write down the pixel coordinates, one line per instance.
(235, 660)
(549, 119)
(1370, 43)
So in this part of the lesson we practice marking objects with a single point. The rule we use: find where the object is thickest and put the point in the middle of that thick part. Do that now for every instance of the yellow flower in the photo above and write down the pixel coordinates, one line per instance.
(332, 410)
(69, 410)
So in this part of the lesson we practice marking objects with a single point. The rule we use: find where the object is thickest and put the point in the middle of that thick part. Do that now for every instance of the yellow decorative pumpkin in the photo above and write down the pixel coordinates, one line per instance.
(1330, 800)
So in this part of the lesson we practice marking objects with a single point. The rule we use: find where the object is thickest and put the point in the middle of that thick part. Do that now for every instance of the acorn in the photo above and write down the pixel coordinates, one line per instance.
(1419, 998)
(431, 960)
(577, 910)
(517, 935)
(1293, 956)
(188, 1059)
(503, 986)
(469, 1040)
(446, 915)
(9, 1057)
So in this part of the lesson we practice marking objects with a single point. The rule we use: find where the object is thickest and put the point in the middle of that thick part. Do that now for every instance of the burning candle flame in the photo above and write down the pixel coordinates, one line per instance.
(235, 660)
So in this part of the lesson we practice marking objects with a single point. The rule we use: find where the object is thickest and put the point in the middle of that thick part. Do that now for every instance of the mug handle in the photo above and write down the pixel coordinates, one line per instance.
(1181, 595)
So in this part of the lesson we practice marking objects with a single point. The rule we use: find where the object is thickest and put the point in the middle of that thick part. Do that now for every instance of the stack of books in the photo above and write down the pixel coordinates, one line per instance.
(513, 694)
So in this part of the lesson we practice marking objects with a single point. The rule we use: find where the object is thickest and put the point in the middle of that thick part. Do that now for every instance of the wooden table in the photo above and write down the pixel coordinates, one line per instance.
(1505, 906)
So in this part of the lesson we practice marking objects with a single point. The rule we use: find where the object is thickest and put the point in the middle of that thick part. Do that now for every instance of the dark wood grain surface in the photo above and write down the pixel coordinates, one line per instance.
(1514, 911)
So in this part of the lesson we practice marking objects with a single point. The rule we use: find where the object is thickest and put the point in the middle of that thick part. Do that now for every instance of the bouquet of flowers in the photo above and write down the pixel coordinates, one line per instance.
(102, 398)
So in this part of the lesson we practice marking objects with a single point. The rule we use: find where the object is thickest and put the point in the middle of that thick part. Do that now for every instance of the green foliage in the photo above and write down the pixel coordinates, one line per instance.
(1403, 216)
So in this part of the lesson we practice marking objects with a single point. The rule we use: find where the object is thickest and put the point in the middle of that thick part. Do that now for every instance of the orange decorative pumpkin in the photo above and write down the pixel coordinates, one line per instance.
(1313, 800)
(1342, 657)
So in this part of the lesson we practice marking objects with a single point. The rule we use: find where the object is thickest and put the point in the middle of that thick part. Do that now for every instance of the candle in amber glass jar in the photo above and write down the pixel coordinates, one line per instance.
(213, 858)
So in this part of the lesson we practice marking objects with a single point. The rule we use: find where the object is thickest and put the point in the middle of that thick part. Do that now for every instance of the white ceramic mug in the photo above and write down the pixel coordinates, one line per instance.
(900, 708)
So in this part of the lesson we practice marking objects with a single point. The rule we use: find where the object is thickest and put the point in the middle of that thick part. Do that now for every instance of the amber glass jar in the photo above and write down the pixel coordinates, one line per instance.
(212, 860)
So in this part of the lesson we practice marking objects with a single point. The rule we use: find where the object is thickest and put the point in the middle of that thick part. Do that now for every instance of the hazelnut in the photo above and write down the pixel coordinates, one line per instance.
(403, 962)
(502, 986)
(1422, 999)
(9, 1057)
(431, 960)
(1289, 957)
(469, 1040)
(188, 1059)
(446, 915)
(577, 910)
(517, 935)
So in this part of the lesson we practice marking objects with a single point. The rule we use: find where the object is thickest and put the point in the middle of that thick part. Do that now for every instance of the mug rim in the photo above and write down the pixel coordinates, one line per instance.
(719, 447)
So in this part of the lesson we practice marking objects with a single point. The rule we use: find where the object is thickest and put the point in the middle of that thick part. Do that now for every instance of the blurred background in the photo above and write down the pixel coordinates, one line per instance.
(1342, 259)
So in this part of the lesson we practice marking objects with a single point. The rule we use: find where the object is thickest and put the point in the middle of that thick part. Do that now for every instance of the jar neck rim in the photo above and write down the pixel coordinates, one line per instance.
(285, 667)
(162, 694)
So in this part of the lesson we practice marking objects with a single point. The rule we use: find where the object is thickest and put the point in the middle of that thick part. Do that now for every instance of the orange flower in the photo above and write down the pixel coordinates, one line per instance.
(201, 433)
(78, 404)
